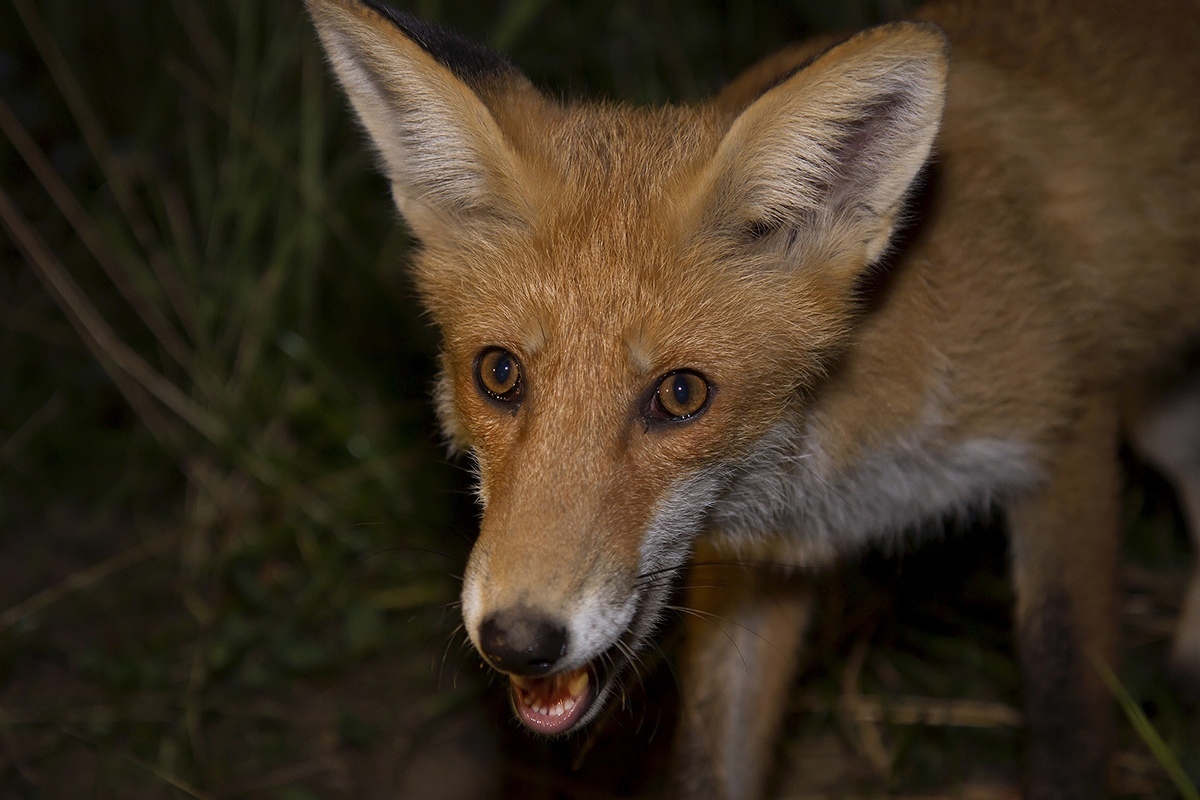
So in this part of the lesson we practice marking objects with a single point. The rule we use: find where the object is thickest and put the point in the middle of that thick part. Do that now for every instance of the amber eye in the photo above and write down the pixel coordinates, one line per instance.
(681, 395)
(499, 375)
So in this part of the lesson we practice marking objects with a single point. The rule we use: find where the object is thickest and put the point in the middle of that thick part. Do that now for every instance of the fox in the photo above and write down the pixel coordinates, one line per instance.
(938, 268)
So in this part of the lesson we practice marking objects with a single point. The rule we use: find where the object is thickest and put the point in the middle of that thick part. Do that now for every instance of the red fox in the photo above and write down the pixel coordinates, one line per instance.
(929, 270)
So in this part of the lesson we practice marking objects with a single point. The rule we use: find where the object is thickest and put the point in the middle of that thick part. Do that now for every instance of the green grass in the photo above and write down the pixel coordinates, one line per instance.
(217, 389)
(228, 534)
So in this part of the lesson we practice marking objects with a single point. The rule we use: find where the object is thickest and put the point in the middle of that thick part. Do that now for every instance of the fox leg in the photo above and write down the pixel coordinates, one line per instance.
(1167, 435)
(742, 646)
(1065, 539)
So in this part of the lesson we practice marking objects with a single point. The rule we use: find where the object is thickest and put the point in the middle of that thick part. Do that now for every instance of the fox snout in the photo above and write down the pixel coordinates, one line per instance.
(555, 640)
(568, 578)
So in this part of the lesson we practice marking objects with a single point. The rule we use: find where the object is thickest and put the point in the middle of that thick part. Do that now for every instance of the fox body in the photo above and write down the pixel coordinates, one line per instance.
(920, 273)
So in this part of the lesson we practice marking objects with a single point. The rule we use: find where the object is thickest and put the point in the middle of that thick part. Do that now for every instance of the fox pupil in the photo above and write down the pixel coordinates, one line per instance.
(502, 370)
(681, 391)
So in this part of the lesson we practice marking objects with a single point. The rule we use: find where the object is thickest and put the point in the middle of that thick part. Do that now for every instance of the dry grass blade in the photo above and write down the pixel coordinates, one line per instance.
(42, 417)
(89, 233)
(266, 148)
(320, 764)
(170, 779)
(30, 323)
(870, 740)
(163, 775)
(95, 331)
(981, 792)
(201, 36)
(97, 142)
(931, 711)
(84, 579)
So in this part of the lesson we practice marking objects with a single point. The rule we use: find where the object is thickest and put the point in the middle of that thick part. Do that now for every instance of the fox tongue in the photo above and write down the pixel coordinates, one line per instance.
(552, 705)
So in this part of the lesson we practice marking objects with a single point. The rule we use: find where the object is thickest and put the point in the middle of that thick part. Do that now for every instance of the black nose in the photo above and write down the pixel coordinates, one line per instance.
(522, 642)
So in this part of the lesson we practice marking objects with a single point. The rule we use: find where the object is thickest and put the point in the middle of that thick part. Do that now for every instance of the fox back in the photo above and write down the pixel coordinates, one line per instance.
(914, 274)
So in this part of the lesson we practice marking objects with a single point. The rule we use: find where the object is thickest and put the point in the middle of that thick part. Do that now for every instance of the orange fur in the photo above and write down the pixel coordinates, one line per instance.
(860, 382)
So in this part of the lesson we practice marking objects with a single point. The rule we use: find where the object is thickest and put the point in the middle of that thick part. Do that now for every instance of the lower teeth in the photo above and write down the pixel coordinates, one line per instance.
(576, 684)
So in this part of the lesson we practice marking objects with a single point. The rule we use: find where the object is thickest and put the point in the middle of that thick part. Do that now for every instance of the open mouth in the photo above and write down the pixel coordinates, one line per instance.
(554, 704)
(557, 704)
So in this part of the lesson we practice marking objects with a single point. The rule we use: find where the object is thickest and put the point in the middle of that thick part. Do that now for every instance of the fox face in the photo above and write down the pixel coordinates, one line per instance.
(631, 301)
(598, 380)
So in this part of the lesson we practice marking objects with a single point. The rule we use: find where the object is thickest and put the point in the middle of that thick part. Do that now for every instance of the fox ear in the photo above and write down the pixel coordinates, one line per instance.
(423, 95)
(831, 148)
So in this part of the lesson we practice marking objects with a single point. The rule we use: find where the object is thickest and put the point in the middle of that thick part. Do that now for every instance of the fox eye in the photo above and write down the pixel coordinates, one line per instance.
(498, 374)
(680, 395)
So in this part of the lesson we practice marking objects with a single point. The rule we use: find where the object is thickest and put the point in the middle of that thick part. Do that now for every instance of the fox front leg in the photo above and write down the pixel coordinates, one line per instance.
(744, 631)
(1065, 542)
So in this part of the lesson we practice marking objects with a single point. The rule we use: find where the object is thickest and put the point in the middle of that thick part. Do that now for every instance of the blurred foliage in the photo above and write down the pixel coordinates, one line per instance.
(212, 372)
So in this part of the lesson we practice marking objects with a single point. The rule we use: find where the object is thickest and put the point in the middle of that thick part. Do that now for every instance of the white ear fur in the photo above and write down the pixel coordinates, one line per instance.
(446, 157)
(837, 143)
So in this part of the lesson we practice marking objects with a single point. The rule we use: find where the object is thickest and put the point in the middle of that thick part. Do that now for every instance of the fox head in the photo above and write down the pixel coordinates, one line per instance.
(629, 299)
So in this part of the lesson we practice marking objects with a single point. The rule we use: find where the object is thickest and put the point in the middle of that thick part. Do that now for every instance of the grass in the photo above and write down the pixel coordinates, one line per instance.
(203, 438)
(229, 536)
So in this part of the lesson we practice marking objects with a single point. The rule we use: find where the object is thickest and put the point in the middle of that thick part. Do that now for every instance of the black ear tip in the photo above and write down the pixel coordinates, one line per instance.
(470, 61)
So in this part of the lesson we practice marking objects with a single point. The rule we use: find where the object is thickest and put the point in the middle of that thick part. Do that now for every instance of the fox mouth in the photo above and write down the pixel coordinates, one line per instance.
(562, 702)
(556, 703)
(565, 701)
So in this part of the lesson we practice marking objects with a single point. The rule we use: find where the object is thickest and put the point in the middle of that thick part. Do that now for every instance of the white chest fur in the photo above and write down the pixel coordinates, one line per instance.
(789, 489)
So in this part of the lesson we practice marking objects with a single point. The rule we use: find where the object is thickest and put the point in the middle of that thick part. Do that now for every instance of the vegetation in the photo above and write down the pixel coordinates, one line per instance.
(228, 533)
